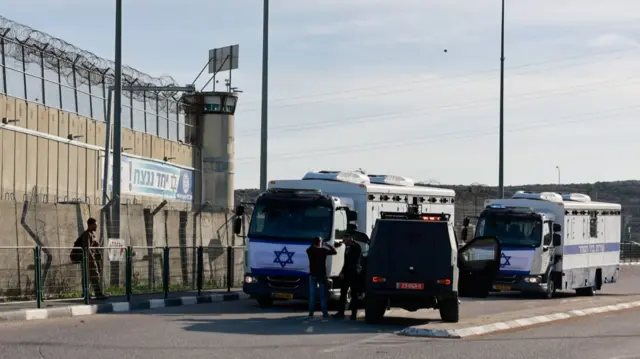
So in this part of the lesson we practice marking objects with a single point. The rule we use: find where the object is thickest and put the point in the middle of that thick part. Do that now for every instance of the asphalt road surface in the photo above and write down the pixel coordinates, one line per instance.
(241, 330)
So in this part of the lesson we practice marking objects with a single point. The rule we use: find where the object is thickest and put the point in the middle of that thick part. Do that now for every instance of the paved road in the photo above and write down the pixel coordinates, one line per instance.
(241, 330)
(235, 330)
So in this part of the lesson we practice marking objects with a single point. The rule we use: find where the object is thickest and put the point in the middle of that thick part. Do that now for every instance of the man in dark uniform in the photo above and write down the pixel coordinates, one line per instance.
(350, 276)
(89, 243)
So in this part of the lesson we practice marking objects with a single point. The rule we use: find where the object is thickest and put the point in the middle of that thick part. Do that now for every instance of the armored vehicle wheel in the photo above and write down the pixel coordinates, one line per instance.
(374, 309)
(449, 310)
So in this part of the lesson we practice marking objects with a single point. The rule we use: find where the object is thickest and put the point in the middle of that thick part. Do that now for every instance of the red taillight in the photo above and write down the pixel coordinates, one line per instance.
(430, 218)
(378, 279)
(444, 281)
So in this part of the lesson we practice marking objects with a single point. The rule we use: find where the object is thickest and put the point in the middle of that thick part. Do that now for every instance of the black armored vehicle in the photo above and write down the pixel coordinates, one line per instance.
(414, 263)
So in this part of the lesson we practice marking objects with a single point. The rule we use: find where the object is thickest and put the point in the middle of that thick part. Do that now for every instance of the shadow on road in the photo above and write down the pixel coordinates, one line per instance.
(295, 325)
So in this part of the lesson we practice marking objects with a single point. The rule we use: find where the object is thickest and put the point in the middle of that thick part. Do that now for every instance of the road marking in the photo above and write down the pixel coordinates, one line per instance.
(356, 343)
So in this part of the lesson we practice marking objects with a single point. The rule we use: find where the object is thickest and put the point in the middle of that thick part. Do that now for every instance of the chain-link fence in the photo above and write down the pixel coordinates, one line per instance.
(17, 274)
(41, 274)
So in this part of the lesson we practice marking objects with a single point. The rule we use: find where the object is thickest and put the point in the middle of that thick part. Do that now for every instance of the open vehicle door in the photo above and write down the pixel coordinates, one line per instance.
(360, 237)
(363, 241)
(479, 263)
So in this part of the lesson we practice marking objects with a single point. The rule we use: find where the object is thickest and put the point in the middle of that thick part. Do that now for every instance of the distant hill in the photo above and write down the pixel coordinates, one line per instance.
(470, 198)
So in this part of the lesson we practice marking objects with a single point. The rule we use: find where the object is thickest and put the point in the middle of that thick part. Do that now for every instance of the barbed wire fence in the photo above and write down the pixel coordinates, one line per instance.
(31, 47)
(44, 69)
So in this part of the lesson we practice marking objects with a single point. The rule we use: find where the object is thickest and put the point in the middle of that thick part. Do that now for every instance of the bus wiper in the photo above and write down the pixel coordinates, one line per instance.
(520, 245)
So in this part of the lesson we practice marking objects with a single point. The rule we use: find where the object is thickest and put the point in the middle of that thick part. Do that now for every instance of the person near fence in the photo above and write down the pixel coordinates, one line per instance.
(317, 254)
(89, 244)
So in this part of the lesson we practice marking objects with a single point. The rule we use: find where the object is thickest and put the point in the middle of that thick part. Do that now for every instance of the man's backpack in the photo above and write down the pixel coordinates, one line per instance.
(76, 251)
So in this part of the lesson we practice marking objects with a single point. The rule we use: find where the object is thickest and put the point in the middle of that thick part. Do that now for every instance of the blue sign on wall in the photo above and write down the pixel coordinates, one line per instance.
(152, 179)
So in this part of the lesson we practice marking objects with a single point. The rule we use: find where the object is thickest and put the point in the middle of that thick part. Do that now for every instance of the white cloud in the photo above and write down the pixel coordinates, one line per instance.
(613, 40)
(569, 13)
(451, 113)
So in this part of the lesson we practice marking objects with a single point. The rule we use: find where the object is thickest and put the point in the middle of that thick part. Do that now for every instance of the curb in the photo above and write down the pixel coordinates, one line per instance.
(512, 324)
(116, 307)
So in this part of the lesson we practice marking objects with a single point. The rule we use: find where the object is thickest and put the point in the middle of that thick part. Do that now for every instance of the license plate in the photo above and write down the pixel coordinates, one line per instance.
(413, 286)
(502, 287)
(282, 295)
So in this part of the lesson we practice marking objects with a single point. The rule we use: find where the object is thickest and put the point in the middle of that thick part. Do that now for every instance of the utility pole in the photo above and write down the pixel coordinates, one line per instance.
(265, 97)
(117, 123)
(501, 165)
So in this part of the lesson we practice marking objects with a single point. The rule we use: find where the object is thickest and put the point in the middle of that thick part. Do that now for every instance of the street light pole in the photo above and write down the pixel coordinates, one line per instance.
(558, 168)
(265, 96)
(501, 163)
(117, 123)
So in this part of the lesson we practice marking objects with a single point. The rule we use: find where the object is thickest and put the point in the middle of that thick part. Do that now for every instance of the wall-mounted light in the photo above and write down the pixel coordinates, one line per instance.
(168, 158)
(71, 137)
(7, 121)
(126, 149)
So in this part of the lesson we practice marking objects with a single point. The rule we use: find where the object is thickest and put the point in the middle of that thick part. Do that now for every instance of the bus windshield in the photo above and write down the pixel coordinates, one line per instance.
(291, 221)
(511, 231)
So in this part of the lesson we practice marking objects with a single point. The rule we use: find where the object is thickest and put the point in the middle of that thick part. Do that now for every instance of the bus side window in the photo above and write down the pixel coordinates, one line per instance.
(548, 230)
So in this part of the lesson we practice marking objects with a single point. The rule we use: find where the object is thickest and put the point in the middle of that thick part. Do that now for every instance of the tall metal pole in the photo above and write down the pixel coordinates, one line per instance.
(117, 122)
(265, 96)
(558, 168)
(501, 165)
(107, 149)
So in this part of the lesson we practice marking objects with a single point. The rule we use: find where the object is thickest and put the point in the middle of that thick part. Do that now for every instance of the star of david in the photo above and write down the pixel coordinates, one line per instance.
(505, 260)
(280, 260)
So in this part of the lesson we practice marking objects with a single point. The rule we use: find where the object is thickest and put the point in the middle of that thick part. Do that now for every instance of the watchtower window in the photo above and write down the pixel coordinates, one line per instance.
(593, 224)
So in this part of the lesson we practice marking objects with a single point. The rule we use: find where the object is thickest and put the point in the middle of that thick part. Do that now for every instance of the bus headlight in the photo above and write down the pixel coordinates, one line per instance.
(250, 280)
(533, 279)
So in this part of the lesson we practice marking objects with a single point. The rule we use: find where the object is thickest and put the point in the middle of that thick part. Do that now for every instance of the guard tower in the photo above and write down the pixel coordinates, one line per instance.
(211, 119)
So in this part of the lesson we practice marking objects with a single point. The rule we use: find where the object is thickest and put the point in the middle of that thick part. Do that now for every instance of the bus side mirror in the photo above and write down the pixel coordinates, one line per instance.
(352, 216)
(237, 225)
(557, 240)
(557, 228)
(239, 210)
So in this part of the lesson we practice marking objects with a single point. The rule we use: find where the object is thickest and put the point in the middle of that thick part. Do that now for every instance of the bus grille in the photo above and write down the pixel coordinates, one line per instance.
(283, 282)
(506, 279)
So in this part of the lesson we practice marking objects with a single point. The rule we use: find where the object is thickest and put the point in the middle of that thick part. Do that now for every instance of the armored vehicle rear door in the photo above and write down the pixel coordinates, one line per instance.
(479, 263)
(410, 253)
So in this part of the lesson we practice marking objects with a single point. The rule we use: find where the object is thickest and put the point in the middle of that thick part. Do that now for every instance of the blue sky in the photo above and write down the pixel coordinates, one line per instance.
(367, 84)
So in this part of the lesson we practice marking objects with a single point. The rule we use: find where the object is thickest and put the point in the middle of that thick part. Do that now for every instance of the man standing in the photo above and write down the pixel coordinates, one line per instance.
(350, 276)
(317, 254)
(87, 240)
